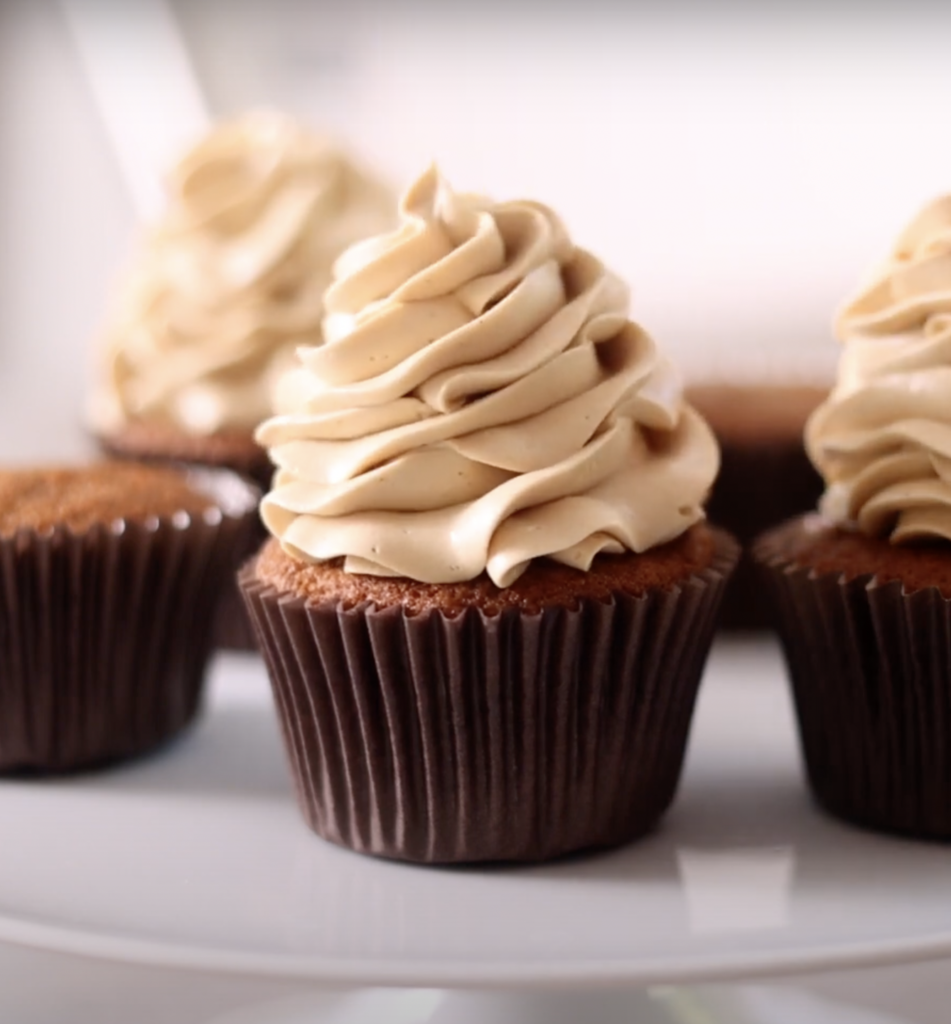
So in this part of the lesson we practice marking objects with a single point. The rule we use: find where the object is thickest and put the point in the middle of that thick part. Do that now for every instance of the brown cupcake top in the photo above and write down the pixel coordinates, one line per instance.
(157, 442)
(813, 543)
(544, 584)
(79, 497)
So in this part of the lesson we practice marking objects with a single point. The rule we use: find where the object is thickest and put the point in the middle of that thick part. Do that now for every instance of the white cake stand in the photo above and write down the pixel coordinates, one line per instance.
(197, 859)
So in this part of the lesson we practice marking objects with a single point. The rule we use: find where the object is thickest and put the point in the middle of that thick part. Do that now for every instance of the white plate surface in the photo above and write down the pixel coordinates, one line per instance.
(197, 858)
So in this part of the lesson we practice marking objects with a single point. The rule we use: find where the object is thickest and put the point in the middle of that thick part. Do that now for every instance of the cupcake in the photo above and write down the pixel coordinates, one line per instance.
(111, 574)
(765, 474)
(222, 291)
(862, 588)
(490, 589)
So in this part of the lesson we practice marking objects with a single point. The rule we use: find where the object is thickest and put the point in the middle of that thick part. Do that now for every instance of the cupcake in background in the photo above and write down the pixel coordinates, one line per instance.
(862, 588)
(224, 288)
(491, 591)
(221, 292)
(765, 476)
(112, 573)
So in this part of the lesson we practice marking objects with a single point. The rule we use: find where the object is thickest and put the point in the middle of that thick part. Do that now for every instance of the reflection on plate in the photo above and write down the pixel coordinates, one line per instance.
(717, 886)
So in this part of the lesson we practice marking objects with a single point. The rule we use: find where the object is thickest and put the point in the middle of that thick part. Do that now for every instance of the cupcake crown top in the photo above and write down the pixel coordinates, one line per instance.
(481, 400)
(231, 280)
(882, 440)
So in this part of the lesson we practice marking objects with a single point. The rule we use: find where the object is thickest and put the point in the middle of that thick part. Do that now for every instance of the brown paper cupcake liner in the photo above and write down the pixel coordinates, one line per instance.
(105, 634)
(231, 629)
(870, 667)
(513, 737)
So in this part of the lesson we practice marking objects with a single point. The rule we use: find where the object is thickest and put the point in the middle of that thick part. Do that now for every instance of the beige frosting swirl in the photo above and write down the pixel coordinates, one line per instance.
(232, 279)
(883, 438)
(481, 400)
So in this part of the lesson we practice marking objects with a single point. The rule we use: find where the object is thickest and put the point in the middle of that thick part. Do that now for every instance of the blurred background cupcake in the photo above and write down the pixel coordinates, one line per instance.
(221, 291)
(224, 287)
(863, 589)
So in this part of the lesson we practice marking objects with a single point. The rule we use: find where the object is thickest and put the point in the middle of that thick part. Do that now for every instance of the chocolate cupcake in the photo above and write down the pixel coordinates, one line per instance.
(491, 592)
(110, 575)
(862, 590)
(222, 291)
(765, 475)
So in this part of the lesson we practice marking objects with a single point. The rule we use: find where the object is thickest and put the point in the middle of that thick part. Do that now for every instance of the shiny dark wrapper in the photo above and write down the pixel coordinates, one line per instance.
(231, 628)
(105, 634)
(512, 737)
(870, 667)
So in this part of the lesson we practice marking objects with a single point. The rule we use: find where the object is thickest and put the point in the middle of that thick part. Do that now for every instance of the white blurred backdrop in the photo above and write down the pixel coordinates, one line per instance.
(741, 165)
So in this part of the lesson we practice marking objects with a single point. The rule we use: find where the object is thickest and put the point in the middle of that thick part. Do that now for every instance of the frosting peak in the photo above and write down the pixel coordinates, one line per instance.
(482, 399)
(882, 440)
(232, 279)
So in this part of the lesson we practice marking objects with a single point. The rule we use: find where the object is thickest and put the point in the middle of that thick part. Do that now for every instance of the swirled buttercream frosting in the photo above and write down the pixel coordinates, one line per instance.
(882, 440)
(481, 400)
(231, 279)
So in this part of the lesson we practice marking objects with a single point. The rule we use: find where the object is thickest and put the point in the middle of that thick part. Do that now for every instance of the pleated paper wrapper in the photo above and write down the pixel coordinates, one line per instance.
(512, 737)
(105, 634)
(231, 628)
(870, 667)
